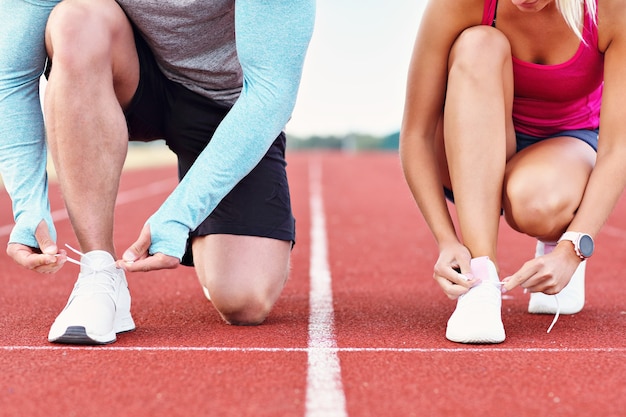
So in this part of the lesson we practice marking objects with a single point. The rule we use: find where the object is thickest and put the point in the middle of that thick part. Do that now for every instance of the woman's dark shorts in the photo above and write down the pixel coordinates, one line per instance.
(260, 203)
(589, 136)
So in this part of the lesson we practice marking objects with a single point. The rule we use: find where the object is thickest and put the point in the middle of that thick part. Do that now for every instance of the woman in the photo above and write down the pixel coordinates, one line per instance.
(22, 139)
(503, 111)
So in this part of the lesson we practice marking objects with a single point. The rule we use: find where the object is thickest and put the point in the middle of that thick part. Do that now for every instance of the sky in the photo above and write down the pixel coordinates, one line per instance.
(355, 72)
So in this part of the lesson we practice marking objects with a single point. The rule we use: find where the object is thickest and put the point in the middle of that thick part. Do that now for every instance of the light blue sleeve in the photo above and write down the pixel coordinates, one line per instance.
(22, 137)
(272, 37)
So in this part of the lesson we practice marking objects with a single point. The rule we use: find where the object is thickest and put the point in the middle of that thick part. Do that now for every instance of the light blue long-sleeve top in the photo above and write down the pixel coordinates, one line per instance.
(22, 138)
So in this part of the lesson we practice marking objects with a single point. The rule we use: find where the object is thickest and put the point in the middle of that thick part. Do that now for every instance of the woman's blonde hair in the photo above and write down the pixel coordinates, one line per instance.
(573, 13)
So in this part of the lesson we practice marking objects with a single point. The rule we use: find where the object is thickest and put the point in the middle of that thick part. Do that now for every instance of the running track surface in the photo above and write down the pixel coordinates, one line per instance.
(358, 331)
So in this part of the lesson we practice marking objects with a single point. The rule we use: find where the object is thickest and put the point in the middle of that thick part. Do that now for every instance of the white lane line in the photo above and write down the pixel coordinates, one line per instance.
(123, 197)
(325, 396)
(310, 349)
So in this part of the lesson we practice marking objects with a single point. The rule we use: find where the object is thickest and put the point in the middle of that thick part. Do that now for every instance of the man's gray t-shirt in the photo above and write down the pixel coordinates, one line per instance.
(202, 55)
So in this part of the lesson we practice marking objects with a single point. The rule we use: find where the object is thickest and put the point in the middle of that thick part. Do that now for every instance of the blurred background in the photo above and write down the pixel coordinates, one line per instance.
(352, 91)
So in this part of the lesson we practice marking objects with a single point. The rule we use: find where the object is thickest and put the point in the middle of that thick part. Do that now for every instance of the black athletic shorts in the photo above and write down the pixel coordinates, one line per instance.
(259, 205)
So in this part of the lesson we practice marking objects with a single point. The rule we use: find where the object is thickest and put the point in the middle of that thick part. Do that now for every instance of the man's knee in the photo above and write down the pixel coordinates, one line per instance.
(243, 309)
(250, 314)
(79, 31)
(246, 302)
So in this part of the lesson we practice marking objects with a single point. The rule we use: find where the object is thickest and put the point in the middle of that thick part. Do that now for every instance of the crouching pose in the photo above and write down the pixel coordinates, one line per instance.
(503, 115)
(218, 81)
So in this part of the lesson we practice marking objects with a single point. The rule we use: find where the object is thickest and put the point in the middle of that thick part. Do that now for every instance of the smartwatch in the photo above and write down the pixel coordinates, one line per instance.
(583, 243)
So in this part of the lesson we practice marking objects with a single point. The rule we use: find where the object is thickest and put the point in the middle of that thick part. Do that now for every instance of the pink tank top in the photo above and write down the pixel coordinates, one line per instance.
(554, 98)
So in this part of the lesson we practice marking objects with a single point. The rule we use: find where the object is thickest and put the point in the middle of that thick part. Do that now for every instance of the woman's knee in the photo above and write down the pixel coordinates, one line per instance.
(479, 49)
(533, 212)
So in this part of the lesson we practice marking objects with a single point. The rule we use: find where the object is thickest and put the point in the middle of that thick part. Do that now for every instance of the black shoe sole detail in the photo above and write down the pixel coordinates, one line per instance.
(77, 335)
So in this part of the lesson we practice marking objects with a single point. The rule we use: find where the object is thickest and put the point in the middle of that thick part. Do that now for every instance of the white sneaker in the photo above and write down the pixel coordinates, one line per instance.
(571, 299)
(477, 317)
(99, 305)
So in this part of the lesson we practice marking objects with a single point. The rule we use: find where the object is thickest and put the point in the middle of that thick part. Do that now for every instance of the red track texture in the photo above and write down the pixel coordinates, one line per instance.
(389, 322)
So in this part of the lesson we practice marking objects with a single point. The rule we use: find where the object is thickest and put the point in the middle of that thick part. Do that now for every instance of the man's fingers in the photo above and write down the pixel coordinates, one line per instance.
(140, 248)
(152, 263)
(46, 244)
(26, 257)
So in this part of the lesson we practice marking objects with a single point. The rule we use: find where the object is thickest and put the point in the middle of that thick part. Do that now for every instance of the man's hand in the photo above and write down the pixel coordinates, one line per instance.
(46, 260)
(137, 259)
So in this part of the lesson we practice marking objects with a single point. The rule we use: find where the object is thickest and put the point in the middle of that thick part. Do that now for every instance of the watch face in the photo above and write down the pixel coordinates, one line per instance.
(585, 245)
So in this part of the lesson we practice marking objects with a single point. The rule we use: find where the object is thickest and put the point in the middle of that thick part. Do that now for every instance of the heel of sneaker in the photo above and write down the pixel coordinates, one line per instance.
(123, 319)
(571, 298)
(124, 323)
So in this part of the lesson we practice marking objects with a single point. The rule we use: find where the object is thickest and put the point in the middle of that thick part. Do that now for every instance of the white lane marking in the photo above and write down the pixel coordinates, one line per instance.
(309, 349)
(123, 197)
(325, 396)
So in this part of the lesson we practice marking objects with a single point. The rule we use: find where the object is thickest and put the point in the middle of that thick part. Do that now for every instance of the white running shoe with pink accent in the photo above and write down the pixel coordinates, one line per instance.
(478, 316)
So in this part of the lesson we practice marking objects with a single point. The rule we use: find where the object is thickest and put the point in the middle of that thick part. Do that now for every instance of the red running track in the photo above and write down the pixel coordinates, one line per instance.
(358, 331)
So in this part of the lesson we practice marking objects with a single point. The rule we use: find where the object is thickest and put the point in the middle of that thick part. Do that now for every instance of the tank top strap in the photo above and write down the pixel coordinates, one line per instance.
(489, 13)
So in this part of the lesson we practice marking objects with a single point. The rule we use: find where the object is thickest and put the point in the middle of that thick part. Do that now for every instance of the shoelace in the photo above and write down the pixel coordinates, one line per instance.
(74, 261)
(105, 286)
(556, 315)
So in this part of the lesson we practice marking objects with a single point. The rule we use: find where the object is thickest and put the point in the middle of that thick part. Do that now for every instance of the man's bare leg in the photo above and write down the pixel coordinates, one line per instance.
(95, 68)
(94, 76)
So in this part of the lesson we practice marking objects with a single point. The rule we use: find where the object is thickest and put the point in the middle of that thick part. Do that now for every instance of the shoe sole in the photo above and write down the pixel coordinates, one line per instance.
(476, 339)
(77, 335)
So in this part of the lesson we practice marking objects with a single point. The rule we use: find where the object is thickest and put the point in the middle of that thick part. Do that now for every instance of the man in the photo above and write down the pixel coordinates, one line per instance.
(218, 81)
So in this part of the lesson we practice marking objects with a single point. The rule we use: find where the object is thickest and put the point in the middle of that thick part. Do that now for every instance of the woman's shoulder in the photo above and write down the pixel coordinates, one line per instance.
(469, 12)
(611, 22)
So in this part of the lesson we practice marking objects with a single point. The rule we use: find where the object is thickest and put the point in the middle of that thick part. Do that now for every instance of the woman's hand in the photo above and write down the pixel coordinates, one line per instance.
(452, 270)
(548, 274)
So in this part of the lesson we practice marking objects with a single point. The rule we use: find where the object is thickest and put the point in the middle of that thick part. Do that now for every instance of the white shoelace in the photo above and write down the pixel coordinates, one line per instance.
(76, 251)
(74, 261)
(104, 286)
(556, 315)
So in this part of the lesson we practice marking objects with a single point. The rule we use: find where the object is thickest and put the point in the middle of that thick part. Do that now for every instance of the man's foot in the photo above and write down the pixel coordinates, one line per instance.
(477, 317)
(571, 299)
(99, 305)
